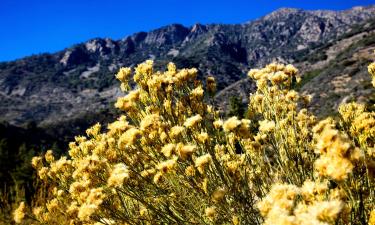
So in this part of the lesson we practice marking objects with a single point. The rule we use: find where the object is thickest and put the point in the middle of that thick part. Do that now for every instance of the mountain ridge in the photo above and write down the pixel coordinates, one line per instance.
(49, 88)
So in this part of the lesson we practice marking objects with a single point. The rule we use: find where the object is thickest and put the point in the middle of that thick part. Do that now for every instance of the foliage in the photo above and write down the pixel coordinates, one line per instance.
(237, 107)
(19, 144)
(306, 78)
(171, 159)
(17, 147)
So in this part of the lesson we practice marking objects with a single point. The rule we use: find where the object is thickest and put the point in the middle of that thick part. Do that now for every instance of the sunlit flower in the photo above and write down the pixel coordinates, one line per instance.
(202, 161)
(210, 212)
(231, 124)
(118, 175)
(266, 126)
(19, 213)
(193, 121)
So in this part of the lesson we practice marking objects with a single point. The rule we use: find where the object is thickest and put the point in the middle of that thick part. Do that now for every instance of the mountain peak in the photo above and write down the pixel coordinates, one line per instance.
(197, 28)
(287, 10)
(282, 12)
(99, 44)
(167, 35)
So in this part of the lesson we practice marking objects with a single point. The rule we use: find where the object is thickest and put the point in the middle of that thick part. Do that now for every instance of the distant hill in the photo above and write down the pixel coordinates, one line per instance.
(331, 49)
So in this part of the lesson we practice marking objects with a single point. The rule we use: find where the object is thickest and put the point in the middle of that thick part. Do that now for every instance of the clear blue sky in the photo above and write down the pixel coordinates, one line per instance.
(35, 26)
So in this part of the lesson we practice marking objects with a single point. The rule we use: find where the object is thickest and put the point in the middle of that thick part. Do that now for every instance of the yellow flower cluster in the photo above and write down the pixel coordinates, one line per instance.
(284, 125)
(336, 153)
(118, 175)
(123, 75)
(278, 74)
(287, 204)
(172, 159)
(360, 124)
(371, 70)
(19, 213)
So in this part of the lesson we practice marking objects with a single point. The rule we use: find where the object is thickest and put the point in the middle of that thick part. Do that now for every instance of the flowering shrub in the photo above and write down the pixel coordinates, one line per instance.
(172, 159)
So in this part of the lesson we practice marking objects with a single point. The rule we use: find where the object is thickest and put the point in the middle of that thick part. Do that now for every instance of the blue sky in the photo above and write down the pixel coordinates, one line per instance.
(37, 26)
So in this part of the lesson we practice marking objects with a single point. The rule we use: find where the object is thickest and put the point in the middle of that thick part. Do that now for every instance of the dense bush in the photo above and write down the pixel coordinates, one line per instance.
(171, 159)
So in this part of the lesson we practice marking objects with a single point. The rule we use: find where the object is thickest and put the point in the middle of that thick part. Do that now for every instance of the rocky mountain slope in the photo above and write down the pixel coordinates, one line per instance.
(333, 73)
(75, 82)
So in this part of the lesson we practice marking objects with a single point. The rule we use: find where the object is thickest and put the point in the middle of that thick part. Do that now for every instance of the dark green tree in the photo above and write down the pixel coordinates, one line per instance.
(236, 107)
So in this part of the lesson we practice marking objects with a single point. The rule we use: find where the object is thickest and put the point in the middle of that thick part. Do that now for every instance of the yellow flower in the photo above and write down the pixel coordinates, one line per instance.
(124, 74)
(337, 168)
(235, 220)
(37, 211)
(202, 161)
(290, 70)
(94, 130)
(266, 126)
(143, 211)
(127, 103)
(210, 212)
(310, 189)
(86, 210)
(129, 137)
(211, 84)
(197, 92)
(118, 126)
(49, 156)
(218, 124)
(231, 124)
(149, 172)
(326, 210)
(281, 196)
(193, 121)
(244, 128)
(150, 122)
(144, 68)
(292, 96)
(255, 74)
(43, 173)
(158, 177)
(203, 137)
(19, 213)
(278, 77)
(336, 152)
(172, 68)
(190, 171)
(371, 220)
(119, 173)
(371, 68)
(52, 205)
(168, 149)
(218, 195)
(185, 151)
(176, 131)
(167, 166)
(36, 162)
(232, 166)
(167, 105)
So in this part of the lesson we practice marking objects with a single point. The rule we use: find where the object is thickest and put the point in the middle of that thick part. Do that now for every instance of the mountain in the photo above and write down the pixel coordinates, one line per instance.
(334, 72)
(329, 47)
